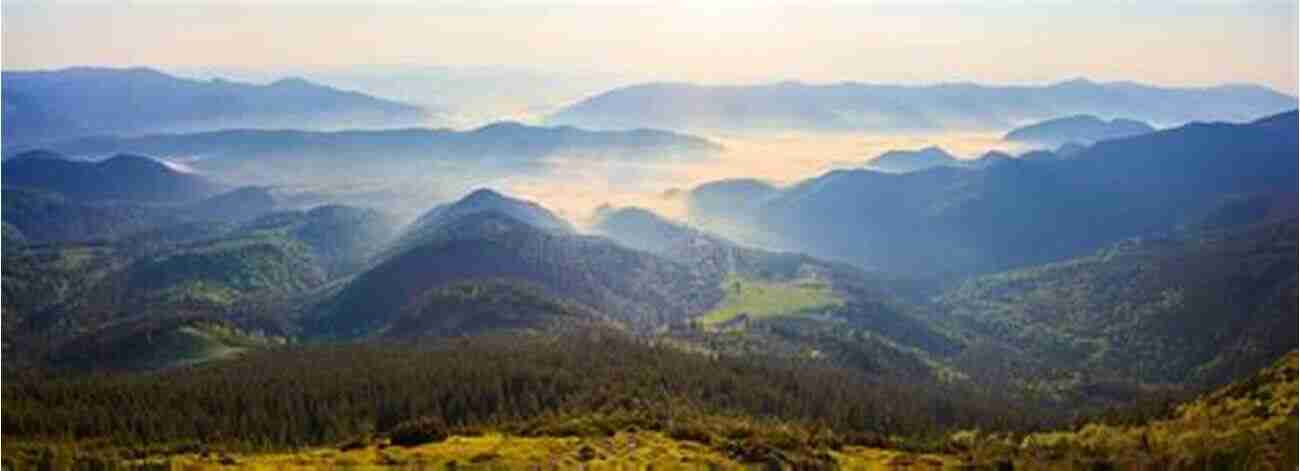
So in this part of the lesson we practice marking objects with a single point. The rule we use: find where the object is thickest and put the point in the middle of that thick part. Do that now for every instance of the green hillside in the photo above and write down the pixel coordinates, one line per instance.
(1197, 307)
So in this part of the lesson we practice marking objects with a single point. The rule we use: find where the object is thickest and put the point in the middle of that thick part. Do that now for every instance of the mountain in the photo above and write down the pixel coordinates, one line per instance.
(123, 177)
(42, 216)
(83, 101)
(632, 287)
(236, 205)
(1025, 211)
(784, 303)
(478, 201)
(992, 158)
(1079, 129)
(249, 154)
(71, 299)
(903, 161)
(870, 107)
(341, 239)
(733, 198)
(1195, 307)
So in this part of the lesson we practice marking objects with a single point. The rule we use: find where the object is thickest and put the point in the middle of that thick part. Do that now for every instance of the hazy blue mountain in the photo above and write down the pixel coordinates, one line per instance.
(292, 153)
(1069, 149)
(80, 101)
(1080, 129)
(123, 177)
(991, 158)
(1041, 155)
(235, 205)
(903, 161)
(1029, 210)
(458, 96)
(871, 107)
(735, 195)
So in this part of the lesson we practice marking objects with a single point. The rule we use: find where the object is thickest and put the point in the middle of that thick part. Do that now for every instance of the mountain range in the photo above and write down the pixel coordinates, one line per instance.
(88, 101)
(1079, 129)
(921, 310)
(858, 107)
(244, 153)
(962, 220)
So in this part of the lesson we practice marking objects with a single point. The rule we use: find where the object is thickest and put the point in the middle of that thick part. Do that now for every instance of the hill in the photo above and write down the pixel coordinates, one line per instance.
(478, 201)
(1249, 424)
(1196, 307)
(635, 288)
(1079, 129)
(870, 107)
(787, 304)
(123, 177)
(61, 296)
(42, 216)
(88, 101)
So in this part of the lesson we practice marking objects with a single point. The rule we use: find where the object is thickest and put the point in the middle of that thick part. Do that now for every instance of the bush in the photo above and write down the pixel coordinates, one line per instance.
(419, 431)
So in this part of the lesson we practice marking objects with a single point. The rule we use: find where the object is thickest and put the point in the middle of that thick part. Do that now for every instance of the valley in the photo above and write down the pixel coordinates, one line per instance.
(547, 235)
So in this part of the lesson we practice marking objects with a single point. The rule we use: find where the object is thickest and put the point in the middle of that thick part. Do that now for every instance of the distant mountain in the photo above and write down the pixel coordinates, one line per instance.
(82, 101)
(1069, 149)
(236, 205)
(1026, 210)
(903, 161)
(123, 177)
(256, 153)
(736, 196)
(870, 107)
(992, 158)
(1079, 129)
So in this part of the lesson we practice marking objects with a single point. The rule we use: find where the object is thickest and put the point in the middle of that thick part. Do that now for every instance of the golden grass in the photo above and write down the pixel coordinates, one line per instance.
(623, 450)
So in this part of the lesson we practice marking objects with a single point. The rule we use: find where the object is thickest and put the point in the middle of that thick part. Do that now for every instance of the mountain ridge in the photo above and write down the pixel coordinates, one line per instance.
(851, 106)
(44, 105)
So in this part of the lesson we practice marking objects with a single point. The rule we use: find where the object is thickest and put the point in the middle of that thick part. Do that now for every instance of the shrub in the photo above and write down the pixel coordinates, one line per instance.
(419, 431)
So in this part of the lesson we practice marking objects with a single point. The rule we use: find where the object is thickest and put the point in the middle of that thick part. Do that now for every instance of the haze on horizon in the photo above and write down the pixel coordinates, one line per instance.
(1186, 43)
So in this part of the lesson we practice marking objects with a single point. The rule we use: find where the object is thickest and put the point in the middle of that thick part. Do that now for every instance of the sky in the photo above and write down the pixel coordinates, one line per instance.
(1176, 42)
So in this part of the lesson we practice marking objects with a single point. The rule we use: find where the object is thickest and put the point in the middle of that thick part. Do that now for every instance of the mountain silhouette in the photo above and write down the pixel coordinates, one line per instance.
(873, 107)
(1079, 129)
(82, 101)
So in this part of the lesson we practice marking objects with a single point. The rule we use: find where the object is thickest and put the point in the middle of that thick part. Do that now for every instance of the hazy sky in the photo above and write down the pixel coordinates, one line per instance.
(1165, 42)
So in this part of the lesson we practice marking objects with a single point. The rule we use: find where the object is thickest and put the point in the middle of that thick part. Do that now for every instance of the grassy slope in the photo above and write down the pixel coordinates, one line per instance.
(623, 450)
(761, 299)
(1250, 424)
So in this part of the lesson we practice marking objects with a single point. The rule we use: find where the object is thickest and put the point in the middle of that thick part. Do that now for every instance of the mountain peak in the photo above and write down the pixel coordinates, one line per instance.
(294, 82)
(483, 194)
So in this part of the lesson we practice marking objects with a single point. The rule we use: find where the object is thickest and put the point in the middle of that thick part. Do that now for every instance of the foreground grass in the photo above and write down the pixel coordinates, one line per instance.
(618, 440)
(760, 299)
(623, 450)
(1250, 424)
